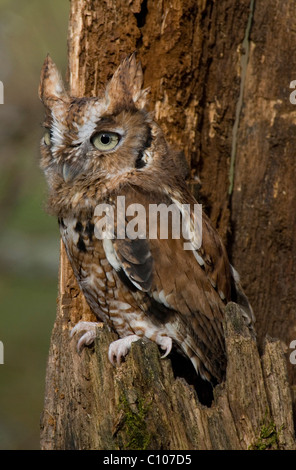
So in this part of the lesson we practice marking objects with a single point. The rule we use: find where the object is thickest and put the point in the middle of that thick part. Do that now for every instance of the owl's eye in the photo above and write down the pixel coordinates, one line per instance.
(47, 137)
(105, 140)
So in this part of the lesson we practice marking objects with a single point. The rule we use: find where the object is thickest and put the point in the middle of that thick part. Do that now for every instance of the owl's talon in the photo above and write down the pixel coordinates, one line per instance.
(89, 330)
(166, 344)
(119, 349)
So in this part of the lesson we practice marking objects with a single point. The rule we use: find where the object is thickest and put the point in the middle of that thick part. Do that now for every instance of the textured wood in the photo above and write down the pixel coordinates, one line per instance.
(191, 52)
(141, 405)
(278, 391)
(185, 48)
(264, 197)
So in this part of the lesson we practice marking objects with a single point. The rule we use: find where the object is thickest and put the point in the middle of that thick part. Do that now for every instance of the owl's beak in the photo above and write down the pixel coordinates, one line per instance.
(68, 172)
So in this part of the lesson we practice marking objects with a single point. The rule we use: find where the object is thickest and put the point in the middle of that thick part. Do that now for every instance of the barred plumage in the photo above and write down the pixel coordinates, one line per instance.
(96, 150)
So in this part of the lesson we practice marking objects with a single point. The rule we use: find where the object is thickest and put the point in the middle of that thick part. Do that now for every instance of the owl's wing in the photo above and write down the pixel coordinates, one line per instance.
(198, 292)
(133, 262)
(183, 290)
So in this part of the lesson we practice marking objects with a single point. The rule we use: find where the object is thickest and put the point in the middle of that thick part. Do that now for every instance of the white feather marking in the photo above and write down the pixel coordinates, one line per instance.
(213, 283)
(117, 321)
(76, 199)
(235, 274)
(59, 89)
(149, 331)
(100, 282)
(135, 283)
(147, 157)
(98, 269)
(123, 305)
(69, 230)
(110, 276)
(111, 254)
(92, 116)
(191, 222)
(161, 298)
(143, 326)
(57, 132)
(171, 329)
(196, 364)
(198, 258)
(92, 282)
(222, 296)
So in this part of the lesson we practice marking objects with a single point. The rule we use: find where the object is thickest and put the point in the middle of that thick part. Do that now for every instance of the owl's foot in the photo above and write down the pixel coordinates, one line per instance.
(119, 348)
(166, 343)
(89, 330)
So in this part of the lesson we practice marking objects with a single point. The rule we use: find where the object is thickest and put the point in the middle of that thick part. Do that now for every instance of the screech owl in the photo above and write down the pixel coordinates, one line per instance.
(95, 151)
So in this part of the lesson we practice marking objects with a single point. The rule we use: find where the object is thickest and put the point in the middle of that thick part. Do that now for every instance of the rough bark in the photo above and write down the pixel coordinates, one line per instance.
(141, 405)
(194, 58)
(185, 48)
(264, 197)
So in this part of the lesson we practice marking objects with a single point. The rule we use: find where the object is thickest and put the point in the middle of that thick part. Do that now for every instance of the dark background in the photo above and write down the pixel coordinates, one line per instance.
(29, 239)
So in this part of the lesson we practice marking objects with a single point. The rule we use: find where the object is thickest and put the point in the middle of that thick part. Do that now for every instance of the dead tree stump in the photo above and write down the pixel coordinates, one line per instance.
(195, 56)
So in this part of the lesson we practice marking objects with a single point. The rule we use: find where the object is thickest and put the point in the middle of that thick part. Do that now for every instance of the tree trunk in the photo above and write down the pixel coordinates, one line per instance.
(208, 82)
(264, 197)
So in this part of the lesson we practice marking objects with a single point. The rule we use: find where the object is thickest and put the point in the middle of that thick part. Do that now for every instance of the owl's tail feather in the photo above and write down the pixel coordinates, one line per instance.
(209, 364)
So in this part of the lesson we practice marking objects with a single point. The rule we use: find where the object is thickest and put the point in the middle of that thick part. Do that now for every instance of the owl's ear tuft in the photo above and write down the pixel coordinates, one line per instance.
(51, 86)
(126, 84)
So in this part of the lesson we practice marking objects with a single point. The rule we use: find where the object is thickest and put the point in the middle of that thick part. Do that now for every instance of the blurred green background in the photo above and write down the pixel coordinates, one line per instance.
(29, 238)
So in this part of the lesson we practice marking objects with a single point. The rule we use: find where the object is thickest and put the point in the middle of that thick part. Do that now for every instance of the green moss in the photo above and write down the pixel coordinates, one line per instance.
(268, 437)
(134, 424)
